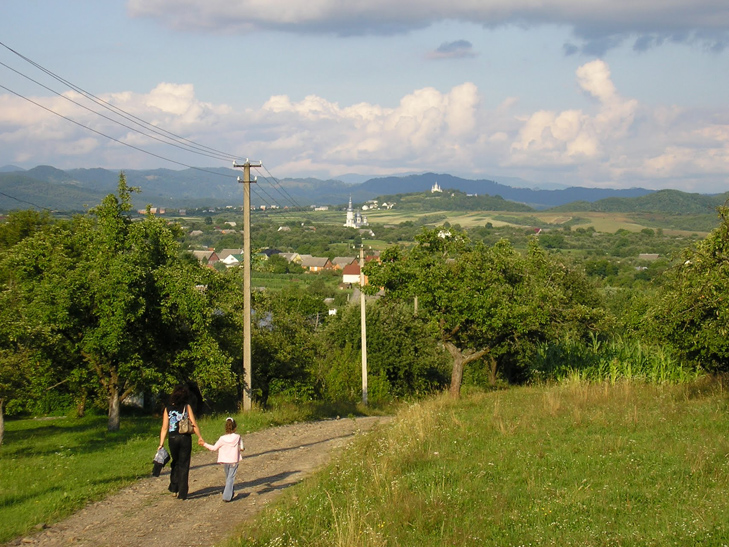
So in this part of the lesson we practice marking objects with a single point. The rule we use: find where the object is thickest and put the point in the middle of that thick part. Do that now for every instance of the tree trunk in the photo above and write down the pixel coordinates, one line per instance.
(113, 424)
(460, 360)
(456, 375)
(81, 406)
(2, 420)
(492, 370)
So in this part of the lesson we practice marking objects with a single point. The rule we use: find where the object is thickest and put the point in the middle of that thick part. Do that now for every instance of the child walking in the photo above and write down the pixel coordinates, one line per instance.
(229, 448)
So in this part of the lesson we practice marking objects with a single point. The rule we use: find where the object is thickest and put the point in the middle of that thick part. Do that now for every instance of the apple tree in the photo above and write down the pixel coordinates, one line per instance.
(484, 302)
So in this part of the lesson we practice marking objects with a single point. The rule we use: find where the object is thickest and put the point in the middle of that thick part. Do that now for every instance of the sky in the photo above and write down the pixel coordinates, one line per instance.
(599, 93)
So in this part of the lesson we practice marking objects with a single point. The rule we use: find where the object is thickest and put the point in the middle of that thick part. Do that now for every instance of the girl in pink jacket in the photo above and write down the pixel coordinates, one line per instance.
(229, 447)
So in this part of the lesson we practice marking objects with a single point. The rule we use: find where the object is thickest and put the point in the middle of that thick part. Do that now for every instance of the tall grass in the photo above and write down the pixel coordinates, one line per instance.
(610, 361)
(578, 464)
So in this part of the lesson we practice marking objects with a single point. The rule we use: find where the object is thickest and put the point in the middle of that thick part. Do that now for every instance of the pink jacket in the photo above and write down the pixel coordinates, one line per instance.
(229, 448)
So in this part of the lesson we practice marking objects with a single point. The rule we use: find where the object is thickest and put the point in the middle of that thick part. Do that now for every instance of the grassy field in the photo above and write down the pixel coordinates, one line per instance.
(51, 467)
(601, 222)
(583, 464)
(580, 463)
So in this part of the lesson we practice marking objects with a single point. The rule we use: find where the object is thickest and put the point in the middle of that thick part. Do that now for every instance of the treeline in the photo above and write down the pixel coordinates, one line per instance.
(673, 202)
(101, 307)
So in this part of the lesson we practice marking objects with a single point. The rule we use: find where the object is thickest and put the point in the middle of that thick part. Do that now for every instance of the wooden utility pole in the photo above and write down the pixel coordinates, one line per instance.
(363, 322)
(247, 368)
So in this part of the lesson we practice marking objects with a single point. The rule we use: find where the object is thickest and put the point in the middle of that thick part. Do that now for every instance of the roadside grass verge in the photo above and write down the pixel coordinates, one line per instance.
(51, 467)
(625, 463)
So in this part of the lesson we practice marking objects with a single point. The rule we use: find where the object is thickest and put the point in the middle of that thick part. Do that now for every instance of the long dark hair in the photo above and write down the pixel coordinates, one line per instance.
(179, 396)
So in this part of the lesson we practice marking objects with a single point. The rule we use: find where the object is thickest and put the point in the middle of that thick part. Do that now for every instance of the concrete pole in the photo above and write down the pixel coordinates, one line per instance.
(247, 367)
(363, 321)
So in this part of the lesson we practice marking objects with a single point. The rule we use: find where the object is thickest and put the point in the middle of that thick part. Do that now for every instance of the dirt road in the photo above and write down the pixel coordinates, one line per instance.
(145, 513)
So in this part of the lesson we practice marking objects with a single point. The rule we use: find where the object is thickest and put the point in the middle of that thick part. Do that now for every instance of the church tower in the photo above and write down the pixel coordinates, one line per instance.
(350, 223)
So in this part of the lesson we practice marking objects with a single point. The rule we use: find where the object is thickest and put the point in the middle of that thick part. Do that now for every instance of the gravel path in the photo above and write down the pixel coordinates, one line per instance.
(142, 514)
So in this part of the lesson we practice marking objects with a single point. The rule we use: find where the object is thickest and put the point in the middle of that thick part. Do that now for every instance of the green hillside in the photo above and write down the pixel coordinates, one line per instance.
(673, 202)
(452, 200)
(22, 191)
(579, 464)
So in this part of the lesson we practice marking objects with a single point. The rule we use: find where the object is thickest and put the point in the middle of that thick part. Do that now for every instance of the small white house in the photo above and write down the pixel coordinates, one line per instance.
(351, 273)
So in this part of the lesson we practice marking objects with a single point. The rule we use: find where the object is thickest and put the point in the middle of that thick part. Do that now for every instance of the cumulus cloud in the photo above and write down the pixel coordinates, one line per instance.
(614, 141)
(574, 137)
(459, 49)
(600, 24)
(69, 125)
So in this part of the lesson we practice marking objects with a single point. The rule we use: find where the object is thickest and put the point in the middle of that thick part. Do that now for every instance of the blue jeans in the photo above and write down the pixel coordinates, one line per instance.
(229, 469)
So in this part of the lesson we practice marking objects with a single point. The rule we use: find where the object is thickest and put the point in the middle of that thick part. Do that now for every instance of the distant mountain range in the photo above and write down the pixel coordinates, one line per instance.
(79, 189)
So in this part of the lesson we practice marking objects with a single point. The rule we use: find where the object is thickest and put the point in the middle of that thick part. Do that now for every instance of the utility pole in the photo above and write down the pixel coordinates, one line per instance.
(363, 322)
(247, 368)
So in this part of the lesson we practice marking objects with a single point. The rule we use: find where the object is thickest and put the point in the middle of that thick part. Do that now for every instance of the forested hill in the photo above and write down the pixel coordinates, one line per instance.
(664, 201)
(77, 189)
(539, 199)
(452, 200)
(20, 191)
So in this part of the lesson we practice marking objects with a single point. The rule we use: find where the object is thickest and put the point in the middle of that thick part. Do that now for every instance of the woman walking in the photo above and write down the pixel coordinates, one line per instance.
(180, 443)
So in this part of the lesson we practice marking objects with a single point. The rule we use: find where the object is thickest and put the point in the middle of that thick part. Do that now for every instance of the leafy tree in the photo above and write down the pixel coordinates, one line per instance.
(403, 358)
(283, 342)
(15, 371)
(692, 311)
(601, 268)
(486, 302)
(115, 297)
(22, 224)
(277, 264)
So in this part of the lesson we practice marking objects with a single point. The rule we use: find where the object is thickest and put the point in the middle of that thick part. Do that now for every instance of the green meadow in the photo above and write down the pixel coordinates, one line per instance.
(588, 464)
(622, 463)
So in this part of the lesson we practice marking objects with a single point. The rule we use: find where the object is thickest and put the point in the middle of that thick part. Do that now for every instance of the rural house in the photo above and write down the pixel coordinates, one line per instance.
(315, 263)
(339, 262)
(206, 257)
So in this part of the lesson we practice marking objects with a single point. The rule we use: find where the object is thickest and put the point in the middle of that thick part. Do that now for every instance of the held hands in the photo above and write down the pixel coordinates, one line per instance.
(200, 441)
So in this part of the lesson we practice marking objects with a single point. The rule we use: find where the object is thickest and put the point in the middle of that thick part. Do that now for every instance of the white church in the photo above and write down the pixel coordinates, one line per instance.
(354, 218)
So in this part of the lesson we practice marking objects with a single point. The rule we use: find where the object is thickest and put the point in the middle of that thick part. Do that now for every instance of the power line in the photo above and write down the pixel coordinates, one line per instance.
(116, 109)
(177, 141)
(130, 145)
(25, 201)
(110, 137)
(282, 188)
(181, 147)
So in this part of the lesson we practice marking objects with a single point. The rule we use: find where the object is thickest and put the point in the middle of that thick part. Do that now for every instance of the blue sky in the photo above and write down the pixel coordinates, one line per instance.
(607, 93)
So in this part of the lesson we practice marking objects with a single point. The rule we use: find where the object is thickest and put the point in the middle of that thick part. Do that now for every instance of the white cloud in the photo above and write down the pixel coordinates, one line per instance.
(613, 142)
(600, 23)
(573, 137)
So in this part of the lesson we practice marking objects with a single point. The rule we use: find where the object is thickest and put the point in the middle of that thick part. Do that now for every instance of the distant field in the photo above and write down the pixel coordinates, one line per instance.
(602, 222)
